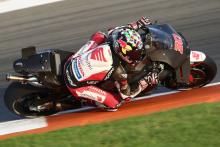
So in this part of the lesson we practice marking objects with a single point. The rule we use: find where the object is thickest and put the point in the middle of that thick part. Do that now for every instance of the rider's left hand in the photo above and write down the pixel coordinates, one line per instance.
(140, 23)
(143, 22)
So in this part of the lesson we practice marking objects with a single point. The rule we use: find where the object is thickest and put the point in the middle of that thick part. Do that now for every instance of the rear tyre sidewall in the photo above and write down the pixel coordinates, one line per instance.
(16, 91)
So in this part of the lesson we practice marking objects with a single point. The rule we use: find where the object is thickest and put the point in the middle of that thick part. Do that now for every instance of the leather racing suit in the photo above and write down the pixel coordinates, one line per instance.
(95, 62)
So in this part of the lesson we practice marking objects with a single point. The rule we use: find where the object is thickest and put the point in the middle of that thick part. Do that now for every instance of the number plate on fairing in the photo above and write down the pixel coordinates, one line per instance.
(196, 56)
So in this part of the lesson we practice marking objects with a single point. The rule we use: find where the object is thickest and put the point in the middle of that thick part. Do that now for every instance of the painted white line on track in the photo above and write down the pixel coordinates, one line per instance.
(155, 95)
(30, 124)
(22, 125)
(76, 110)
(170, 92)
(136, 99)
(213, 84)
(12, 5)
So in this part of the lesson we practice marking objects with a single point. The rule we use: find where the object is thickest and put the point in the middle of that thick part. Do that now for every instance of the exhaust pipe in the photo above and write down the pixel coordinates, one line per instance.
(20, 78)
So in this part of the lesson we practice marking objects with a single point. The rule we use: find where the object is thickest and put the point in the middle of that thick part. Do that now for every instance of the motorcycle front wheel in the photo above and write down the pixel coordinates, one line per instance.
(201, 74)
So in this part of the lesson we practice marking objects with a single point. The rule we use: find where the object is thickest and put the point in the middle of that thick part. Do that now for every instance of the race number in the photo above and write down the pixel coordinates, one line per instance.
(178, 43)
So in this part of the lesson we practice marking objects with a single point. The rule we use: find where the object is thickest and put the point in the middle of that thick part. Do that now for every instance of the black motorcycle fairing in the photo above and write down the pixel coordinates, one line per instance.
(47, 66)
(162, 41)
(162, 37)
(171, 57)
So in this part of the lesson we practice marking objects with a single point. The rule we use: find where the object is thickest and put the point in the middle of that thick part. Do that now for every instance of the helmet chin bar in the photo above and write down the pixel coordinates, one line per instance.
(125, 58)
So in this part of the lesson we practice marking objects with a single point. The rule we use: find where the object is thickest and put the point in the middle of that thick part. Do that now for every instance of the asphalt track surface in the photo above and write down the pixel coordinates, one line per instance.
(137, 108)
(68, 24)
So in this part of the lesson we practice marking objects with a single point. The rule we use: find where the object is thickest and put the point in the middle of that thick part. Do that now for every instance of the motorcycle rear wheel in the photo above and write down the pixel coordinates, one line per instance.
(18, 96)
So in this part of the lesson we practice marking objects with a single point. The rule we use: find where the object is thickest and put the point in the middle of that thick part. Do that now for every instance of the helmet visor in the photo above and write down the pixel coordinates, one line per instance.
(135, 55)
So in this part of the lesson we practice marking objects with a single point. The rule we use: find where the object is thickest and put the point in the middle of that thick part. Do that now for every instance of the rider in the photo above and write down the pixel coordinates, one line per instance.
(106, 56)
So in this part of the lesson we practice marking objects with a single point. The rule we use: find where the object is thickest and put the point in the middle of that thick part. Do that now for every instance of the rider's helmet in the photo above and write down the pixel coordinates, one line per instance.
(127, 44)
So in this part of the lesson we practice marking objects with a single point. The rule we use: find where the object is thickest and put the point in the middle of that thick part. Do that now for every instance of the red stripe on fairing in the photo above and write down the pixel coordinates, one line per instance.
(178, 43)
(181, 72)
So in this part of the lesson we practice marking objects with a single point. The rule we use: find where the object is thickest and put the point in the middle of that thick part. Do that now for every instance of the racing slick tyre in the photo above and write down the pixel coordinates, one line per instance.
(19, 97)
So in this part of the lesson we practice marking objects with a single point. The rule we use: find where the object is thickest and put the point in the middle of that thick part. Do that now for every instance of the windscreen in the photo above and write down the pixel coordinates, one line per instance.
(165, 37)
(160, 39)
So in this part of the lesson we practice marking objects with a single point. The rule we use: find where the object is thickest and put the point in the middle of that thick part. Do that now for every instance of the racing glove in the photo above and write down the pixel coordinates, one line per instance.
(150, 79)
(128, 92)
(124, 91)
(143, 21)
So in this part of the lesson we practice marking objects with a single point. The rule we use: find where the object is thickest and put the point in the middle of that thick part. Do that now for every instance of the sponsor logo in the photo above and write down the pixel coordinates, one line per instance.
(124, 75)
(69, 78)
(79, 65)
(98, 90)
(77, 68)
(88, 64)
(152, 79)
(98, 54)
(178, 43)
(91, 95)
(109, 74)
(124, 46)
(92, 82)
(196, 56)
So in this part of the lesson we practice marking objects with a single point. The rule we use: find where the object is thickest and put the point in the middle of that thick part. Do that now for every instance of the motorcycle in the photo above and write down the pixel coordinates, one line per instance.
(39, 85)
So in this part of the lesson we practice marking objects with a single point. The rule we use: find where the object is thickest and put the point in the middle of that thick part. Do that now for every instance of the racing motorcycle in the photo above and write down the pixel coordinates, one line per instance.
(38, 85)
